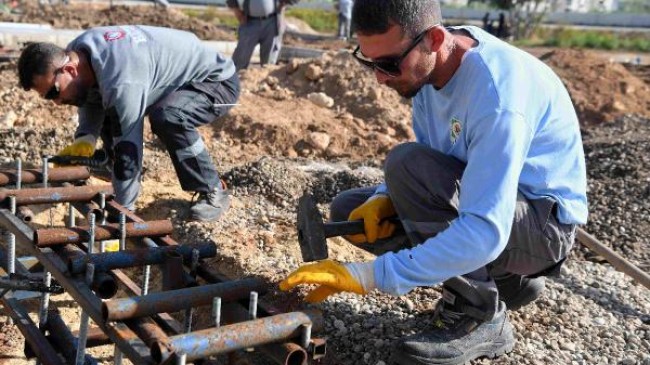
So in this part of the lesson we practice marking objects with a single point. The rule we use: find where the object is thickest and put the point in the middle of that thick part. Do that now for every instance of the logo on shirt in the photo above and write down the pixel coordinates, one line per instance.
(114, 35)
(455, 128)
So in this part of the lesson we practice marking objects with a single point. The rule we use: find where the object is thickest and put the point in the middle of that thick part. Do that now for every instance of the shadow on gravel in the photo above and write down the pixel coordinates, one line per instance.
(607, 301)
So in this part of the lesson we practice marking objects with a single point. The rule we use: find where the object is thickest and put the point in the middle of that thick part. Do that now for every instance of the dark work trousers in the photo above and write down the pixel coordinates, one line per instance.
(174, 120)
(424, 187)
(265, 32)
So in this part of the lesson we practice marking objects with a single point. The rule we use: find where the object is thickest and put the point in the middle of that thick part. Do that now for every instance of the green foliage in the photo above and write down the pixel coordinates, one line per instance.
(211, 15)
(574, 38)
(319, 20)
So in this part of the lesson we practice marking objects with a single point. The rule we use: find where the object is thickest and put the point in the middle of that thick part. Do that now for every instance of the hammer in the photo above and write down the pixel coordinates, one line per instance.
(313, 233)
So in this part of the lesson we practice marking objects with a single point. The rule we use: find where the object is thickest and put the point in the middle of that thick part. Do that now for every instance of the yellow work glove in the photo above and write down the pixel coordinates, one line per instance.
(83, 146)
(332, 277)
(374, 213)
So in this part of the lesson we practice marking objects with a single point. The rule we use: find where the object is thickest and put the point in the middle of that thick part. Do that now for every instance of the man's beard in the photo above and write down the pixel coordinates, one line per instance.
(406, 92)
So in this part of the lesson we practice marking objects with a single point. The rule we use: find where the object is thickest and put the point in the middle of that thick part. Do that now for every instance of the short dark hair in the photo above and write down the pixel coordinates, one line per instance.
(371, 17)
(36, 59)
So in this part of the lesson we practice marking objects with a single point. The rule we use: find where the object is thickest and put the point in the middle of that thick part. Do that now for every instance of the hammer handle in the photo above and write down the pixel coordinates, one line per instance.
(344, 228)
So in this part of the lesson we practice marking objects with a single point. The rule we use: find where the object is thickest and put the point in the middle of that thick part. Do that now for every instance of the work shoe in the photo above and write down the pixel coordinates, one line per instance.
(457, 337)
(517, 290)
(210, 206)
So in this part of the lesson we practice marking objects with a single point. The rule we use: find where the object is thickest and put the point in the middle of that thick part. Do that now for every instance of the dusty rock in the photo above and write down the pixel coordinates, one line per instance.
(319, 140)
(321, 99)
(313, 72)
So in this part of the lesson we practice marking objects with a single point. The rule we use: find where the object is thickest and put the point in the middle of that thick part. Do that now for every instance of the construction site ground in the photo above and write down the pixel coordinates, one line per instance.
(324, 125)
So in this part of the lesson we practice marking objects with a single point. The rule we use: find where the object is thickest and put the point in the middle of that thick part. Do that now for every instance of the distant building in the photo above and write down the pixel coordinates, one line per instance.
(584, 6)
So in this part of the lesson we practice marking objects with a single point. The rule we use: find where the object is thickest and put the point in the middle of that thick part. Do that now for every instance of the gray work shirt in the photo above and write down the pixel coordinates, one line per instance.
(257, 8)
(135, 66)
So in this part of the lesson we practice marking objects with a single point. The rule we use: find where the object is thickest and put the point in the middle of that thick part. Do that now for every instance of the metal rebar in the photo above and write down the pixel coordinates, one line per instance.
(145, 279)
(173, 275)
(85, 318)
(65, 341)
(19, 174)
(216, 311)
(24, 213)
(91, 234)
(33, 176)
(53, 195)
(252, 305)
(176, 300)
(305, 335)
(46, 237)
(45, 172)
(122, 232)
(215, 341)
(45, 301)
(71, 217)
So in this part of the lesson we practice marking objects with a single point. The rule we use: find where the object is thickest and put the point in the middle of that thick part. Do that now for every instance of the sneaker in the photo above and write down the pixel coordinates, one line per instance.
(457, 337)
(210, 206)
(517, 290)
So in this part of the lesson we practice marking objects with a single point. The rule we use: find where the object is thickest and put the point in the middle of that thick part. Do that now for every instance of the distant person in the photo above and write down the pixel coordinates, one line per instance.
(486, 21)
(489, 195)
(260, 22)
(344, 8)
(116, 75)
(503, 29)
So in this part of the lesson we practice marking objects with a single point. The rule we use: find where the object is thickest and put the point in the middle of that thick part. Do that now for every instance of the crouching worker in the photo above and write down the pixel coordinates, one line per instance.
(489, 195)
(116, 75)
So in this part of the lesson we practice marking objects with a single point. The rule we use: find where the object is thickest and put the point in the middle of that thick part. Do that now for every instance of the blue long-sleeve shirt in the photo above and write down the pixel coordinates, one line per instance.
(510, 119)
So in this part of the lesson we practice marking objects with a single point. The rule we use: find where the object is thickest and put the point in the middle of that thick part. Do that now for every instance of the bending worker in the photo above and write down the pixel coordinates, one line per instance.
(489, 195)
(116, 75)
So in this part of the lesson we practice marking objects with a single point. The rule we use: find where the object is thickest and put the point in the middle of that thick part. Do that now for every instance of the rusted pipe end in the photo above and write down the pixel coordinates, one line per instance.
(105, 286)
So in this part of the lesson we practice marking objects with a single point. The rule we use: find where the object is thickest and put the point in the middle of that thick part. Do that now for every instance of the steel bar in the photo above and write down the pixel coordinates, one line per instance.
(33, 336)
(176, 300)
(46, 237)
(616, 260)
(64, 340)
(53, 195)
(318, 345)
(137, 257)
(104, 283)
(173, 275)
(33, 176)
(24, 213)
(215, 341)
(125, 338)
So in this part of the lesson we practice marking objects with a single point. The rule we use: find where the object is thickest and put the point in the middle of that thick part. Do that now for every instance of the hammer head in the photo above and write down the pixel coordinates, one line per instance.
(311, 230)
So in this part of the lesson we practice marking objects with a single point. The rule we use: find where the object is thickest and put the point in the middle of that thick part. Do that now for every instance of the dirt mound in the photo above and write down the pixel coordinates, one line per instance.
(601, 90)
(326, 107)
(83, 16)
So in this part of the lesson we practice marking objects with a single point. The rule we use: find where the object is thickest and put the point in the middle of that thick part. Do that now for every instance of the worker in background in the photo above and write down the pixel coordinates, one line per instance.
(116, 75)
(260, 22)
(489, 195)
(344, 8)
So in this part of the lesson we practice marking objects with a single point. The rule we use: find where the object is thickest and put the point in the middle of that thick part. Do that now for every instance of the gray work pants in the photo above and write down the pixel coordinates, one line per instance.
(344, 27)
(266, 33)
(174, 120)
(424, 188)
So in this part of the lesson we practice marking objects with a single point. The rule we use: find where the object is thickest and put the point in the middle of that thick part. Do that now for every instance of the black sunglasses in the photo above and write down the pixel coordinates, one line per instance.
(55, 90)
(390, 65)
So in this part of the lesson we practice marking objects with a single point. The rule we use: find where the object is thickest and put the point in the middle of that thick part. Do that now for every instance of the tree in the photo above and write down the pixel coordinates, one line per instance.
(524, 15)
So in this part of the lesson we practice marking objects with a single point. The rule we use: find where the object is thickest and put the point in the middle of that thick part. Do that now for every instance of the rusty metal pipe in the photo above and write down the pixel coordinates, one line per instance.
(104, 284)
(139, 257)
(25, 214)
(53, 195)
(176, 300)
(63, 338)
(33, 176)
(215, 341)
(46, 237)
(173, 275)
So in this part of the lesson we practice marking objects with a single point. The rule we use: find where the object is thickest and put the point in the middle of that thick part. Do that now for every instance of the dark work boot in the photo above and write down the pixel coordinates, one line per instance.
(457, 337)
(210, 206)
(517, 290)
